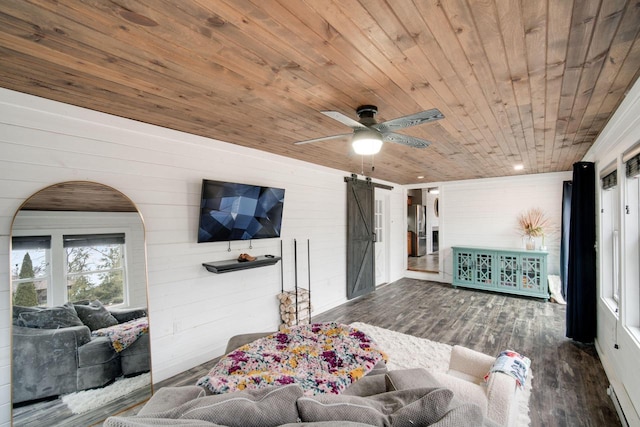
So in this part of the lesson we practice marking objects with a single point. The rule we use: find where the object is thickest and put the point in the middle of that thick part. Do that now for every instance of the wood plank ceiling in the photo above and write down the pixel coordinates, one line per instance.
(519, 81)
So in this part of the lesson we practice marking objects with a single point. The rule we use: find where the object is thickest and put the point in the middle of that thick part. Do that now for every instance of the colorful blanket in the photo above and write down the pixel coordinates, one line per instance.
(321, 358)
(124, 334)
(511, 363)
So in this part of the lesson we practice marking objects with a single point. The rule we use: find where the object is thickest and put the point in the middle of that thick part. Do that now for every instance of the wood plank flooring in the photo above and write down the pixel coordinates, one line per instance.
(54, 412)
(569, 384)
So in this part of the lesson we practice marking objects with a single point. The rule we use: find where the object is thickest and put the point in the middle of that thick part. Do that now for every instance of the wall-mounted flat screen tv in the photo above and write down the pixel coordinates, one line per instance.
(233, 211)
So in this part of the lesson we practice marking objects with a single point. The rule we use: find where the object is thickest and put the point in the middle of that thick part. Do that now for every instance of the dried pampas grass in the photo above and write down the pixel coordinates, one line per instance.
(533, 222)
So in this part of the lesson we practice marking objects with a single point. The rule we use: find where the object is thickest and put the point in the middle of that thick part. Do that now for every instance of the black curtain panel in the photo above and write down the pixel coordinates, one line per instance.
(581, 283)
(564, 235)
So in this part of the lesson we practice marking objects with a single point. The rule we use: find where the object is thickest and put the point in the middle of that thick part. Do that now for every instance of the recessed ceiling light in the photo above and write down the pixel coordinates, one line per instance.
(518, 167)
(421, 177)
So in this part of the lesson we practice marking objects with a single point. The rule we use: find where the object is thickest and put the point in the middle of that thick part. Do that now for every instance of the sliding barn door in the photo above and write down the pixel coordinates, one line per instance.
(360, 238)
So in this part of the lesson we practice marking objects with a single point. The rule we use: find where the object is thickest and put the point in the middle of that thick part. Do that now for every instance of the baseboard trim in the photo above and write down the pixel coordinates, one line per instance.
(621, 400)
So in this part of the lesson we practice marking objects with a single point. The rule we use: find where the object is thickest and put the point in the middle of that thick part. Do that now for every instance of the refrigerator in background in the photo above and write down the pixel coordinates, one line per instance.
(417, 228)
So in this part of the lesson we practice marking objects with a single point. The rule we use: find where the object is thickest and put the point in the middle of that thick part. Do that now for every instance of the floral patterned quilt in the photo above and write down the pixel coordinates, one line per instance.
(320, 357)
(124, 334)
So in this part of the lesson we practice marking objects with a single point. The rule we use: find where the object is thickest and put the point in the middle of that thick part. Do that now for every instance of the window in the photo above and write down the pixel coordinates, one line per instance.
(30, 272)
(610, 283)
(378, 220)
(95, 267)
(632, 243)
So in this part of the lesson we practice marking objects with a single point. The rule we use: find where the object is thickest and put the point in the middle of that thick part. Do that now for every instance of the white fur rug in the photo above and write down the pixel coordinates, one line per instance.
(406, 351)
(88, 400)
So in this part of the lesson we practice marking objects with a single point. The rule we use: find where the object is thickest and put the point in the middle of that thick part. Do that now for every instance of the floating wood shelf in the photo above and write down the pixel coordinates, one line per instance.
(235, 265)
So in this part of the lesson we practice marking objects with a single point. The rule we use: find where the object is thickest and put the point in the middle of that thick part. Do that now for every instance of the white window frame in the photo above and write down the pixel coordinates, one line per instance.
(631, 241)
(47, 277)
(65, 223)
(610, 243)
(123, 268)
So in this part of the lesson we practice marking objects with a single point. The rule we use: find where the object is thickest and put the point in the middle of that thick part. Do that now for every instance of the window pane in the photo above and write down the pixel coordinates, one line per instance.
(29, 276)
(96, 272)
(632, 255)
(609, 285)
(105, 287)
(378, 220)
(83, 259)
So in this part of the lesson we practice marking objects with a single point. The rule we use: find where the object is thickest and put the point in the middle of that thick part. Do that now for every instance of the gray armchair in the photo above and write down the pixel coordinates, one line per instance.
(50, 362)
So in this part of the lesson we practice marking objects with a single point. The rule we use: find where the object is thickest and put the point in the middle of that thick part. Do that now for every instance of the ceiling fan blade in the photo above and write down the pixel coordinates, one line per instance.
(324, 138)
(410, 141)
(410, 120)
(343, 119)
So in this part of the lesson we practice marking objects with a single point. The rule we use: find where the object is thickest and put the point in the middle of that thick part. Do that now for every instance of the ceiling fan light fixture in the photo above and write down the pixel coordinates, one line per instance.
(366, 142)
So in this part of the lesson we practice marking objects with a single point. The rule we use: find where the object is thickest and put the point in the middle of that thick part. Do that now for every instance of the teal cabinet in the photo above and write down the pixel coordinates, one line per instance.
(512, 271)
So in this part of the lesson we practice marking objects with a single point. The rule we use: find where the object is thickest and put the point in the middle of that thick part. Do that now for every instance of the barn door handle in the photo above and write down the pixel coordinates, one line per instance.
(374, 236)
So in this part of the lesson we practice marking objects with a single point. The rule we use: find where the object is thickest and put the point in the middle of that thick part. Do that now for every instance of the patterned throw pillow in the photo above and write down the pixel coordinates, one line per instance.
(95, 316)
(50, 318)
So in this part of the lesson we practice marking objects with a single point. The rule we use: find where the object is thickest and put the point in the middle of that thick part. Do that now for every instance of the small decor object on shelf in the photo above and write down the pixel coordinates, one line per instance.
(532, 224)
(247, 257)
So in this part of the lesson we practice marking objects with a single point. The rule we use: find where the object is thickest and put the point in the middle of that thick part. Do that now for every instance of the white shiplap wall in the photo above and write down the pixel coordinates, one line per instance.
(192, 312)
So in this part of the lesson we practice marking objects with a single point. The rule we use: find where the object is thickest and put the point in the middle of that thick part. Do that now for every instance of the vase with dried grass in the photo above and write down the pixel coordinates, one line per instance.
(531, 224)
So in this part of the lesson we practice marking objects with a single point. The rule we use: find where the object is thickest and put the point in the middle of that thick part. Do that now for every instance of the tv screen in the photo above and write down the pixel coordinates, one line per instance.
(233, 211)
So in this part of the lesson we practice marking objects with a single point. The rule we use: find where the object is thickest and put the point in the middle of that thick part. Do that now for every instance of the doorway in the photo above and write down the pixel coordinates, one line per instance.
(423, 226)
(381, 228)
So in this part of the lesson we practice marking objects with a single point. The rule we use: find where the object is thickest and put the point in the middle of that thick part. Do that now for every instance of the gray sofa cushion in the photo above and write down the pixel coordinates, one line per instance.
(328, 424)
(419, 406)
(135, 358)
(367, 386)
(18, 309)
(403, 379)
(95, 315)
(169, 397)
(126, 314)
(95, 352)
(152, 422)
(270, 406)
(50, 318)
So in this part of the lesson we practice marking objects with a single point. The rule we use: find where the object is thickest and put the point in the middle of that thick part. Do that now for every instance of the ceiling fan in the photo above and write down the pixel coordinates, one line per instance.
(368, 135)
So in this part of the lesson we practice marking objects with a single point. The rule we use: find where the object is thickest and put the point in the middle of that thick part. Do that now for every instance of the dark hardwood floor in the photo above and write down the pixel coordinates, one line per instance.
(569, 383)
(54, 413)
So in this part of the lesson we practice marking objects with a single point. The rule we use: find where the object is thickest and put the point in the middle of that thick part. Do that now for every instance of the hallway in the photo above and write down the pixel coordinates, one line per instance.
(428, 263)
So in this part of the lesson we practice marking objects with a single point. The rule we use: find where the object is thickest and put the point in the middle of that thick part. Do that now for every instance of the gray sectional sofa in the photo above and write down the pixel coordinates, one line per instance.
(408, 397)
(54, 352)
